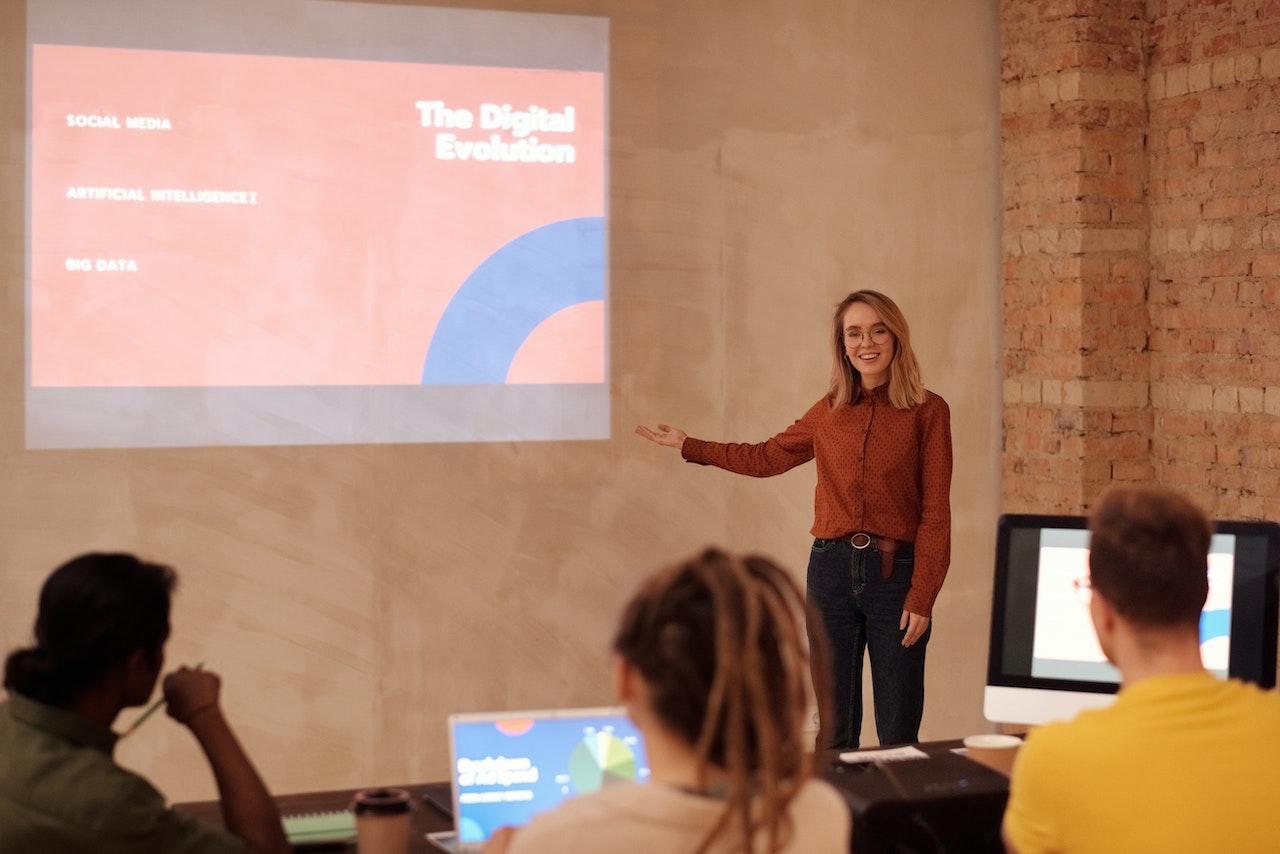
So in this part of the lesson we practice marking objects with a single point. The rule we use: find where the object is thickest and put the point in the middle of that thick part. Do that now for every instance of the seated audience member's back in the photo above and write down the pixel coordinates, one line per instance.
(1183, 761)
(1180, 763)
(712, 664)
(100, 632)
(647, 818)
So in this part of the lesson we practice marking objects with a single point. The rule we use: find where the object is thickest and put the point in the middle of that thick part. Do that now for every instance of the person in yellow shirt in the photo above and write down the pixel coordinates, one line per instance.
(1183, 761)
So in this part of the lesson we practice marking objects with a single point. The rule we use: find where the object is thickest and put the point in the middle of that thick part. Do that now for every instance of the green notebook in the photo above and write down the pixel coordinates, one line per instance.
(321, 828)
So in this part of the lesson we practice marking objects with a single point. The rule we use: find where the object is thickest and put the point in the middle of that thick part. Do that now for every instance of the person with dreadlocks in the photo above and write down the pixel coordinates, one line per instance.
(710, 660)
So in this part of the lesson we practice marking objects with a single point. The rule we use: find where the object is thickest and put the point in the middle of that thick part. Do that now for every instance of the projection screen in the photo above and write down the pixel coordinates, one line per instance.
(312, 222)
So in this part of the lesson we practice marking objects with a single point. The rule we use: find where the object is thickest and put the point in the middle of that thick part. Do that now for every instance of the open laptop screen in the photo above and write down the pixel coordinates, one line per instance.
(509, 767)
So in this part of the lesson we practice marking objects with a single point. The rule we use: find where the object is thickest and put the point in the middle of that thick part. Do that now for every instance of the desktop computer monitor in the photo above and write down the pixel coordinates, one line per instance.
(1044, 662)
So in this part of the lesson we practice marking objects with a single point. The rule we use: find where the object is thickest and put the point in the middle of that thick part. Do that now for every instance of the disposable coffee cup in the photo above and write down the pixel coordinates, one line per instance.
(997, 752)
(382, 821)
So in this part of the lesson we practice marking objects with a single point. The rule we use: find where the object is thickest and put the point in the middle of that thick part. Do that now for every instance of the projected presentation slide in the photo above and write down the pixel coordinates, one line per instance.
(1065, 645)
(510, 770)
(264, 247)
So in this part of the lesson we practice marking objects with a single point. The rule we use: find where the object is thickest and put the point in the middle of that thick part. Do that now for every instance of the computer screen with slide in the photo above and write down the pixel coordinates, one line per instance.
(1045, 663)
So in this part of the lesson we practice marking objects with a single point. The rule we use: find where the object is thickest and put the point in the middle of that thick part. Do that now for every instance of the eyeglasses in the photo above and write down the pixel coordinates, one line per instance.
(879, 335)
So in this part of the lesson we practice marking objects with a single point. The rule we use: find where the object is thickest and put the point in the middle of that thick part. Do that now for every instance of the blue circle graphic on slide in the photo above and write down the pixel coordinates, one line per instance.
(470, 830)
(529, 279)
(1215, 624)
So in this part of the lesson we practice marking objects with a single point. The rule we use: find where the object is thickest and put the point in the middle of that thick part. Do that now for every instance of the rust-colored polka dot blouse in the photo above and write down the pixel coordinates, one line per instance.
(882, 470)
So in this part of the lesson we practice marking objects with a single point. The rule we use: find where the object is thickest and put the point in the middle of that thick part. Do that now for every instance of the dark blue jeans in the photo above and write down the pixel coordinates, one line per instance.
(861, 610)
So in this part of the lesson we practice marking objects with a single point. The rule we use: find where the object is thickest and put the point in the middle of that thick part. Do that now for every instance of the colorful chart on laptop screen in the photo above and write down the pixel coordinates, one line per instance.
(507, 772)
(599, 759)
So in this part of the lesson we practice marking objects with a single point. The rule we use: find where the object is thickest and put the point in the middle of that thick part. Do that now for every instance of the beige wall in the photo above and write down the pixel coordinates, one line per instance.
(766, 158)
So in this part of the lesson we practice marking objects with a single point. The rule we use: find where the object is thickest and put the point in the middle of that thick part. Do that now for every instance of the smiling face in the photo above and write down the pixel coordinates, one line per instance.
(868, 343)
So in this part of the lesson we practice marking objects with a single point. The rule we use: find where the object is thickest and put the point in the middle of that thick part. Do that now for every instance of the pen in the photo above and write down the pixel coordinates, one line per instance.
(150, 710)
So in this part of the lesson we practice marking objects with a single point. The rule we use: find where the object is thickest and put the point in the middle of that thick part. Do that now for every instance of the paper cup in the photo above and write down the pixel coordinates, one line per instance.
(997, 752)
(382, 821)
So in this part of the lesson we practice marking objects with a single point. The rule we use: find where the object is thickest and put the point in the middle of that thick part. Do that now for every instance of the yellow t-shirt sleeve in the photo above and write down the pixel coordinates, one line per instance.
(1029, 818)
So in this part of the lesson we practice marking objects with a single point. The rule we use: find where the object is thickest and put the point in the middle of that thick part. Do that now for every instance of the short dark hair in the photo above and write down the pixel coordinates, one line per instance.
(95, 611)
(1149, 555)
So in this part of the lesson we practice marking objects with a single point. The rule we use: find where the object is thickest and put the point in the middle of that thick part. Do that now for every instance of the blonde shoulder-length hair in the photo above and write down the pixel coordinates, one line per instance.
(905, 388)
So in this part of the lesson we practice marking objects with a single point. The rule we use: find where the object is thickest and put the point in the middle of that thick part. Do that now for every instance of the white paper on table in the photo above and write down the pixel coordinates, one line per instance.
(893, 754)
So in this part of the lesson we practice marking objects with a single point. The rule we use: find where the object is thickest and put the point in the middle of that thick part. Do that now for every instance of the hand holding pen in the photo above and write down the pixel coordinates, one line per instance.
(190, 692)
(190, 696)
(193, 689)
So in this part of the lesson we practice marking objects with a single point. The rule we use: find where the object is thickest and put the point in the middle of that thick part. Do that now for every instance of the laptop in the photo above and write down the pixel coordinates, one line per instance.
(508, 767)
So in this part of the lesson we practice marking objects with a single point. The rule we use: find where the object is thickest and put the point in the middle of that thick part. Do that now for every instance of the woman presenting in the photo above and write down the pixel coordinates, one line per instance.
(882, 513)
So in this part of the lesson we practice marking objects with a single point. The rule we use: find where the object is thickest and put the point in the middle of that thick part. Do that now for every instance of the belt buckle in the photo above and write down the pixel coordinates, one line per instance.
(866, 541)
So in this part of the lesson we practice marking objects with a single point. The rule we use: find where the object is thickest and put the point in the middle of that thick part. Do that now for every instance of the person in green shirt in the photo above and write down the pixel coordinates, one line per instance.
(100, 632)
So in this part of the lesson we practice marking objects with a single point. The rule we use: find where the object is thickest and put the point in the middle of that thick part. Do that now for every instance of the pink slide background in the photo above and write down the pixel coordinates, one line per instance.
(340, 273)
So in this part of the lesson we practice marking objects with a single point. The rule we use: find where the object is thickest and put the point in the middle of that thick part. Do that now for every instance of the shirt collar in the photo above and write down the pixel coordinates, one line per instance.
(880, 392)
(62, 723)
(1165, 684)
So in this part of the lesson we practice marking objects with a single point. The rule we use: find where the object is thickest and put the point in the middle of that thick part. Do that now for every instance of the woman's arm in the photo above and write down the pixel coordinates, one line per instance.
(785, 451)
(933, 536)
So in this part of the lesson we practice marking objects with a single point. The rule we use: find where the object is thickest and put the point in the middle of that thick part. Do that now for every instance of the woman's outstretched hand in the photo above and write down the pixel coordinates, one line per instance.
(664, 435)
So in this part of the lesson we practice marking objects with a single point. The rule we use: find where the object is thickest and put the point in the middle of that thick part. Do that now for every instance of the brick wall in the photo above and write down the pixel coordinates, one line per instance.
(1076, 369)
(1214, 295)
(1141, 169)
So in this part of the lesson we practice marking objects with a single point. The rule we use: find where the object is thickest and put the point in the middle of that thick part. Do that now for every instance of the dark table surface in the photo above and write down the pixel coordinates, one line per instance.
(427, 818)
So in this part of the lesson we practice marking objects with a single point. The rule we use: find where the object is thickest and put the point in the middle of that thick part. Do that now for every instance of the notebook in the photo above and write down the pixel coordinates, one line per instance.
(508, 767)
(320, 829)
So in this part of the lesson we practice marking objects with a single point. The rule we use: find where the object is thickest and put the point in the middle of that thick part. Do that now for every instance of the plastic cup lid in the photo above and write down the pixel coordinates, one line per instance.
(381, 802)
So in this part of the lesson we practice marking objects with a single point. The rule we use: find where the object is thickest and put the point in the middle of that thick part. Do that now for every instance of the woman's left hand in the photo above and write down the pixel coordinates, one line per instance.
(915, 626)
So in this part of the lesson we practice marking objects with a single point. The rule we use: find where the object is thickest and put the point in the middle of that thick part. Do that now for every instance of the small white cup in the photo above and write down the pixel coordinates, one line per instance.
(997, 752)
